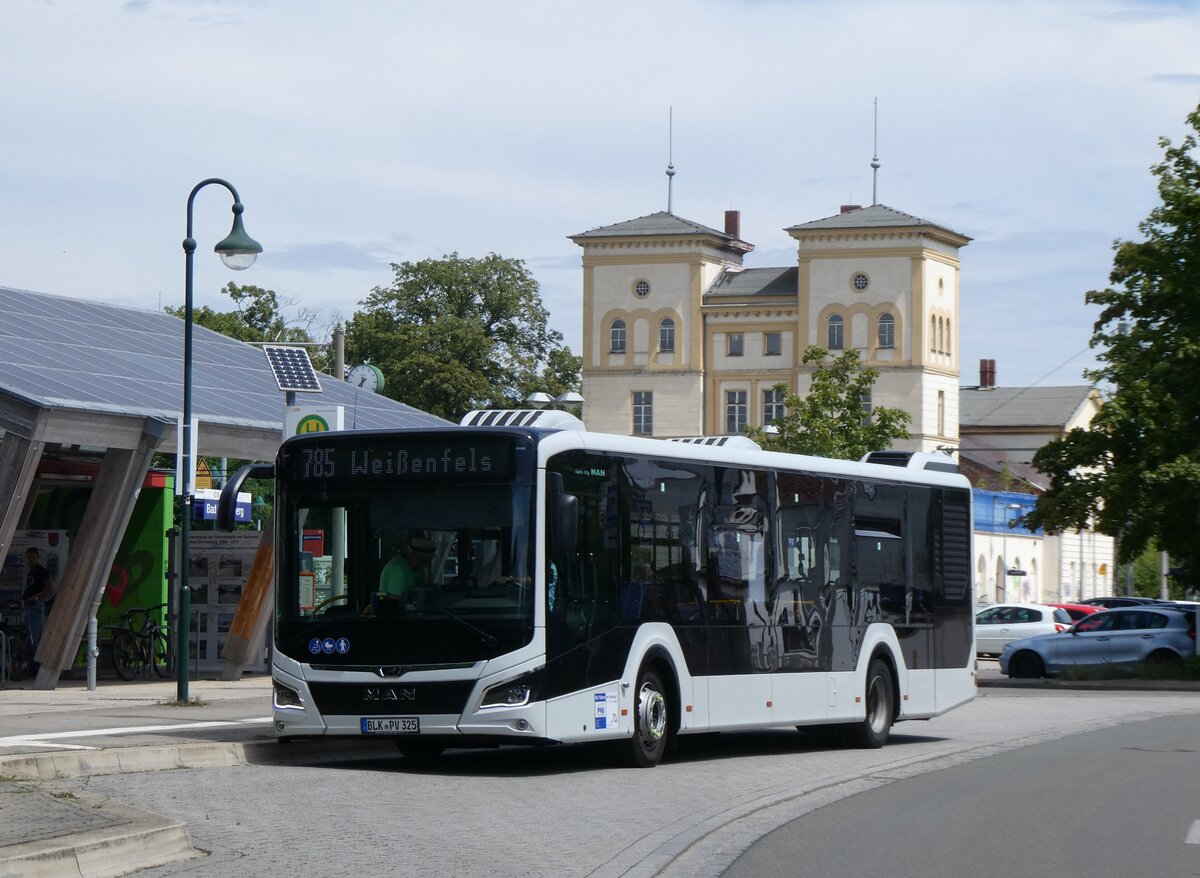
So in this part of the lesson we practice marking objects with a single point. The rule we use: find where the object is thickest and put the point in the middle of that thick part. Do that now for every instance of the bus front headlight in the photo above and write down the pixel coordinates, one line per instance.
(514, 693)
(287, 698)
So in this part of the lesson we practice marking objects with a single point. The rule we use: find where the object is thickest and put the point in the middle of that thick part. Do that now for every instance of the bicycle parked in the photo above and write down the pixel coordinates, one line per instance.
(142, 644)
(18, 649)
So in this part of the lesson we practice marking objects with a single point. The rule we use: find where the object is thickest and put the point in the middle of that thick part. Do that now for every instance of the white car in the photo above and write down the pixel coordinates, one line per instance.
(1000, 624)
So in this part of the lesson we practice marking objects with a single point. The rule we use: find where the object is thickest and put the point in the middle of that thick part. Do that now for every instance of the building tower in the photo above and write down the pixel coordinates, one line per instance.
(680, 339)
(643, 329)
(887, 283)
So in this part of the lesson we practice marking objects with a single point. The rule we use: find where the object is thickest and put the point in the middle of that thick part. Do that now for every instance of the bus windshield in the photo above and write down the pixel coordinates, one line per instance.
(420, 575)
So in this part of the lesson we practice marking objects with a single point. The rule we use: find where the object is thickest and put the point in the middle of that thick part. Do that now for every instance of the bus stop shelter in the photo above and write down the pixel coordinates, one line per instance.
(88, 380)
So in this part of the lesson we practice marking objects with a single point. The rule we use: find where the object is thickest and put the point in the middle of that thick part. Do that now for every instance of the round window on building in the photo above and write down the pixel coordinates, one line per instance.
(642, 288)
(860, 281)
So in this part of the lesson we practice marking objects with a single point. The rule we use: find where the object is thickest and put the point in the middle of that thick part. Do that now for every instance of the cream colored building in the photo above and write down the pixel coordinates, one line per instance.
(1001, 429)
(680, 339)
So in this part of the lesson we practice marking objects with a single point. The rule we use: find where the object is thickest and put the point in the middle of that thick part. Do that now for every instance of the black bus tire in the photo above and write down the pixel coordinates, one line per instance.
(651, 721)
(880, 699)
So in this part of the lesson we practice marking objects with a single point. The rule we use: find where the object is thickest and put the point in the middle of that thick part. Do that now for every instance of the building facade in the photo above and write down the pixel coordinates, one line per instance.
(1001, 430)
(680, 339)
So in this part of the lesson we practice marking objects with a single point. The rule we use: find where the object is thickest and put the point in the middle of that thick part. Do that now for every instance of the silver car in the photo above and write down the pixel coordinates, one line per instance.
(1120, 637)
(1002, 623)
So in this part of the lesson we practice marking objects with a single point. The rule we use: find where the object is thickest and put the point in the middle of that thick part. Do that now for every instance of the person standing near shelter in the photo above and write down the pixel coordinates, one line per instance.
(38, 590)
(408, 569)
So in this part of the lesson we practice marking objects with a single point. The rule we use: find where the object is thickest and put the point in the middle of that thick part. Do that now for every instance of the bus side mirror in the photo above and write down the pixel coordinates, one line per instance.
(227, 505)
(561, 516)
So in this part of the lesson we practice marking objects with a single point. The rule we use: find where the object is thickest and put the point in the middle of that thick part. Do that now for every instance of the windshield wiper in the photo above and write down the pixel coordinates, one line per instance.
(489, 639)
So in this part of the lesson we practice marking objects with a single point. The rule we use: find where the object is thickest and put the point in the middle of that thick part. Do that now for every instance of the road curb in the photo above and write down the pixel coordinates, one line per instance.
(81, 763)
(1094, 685)
(129, 840)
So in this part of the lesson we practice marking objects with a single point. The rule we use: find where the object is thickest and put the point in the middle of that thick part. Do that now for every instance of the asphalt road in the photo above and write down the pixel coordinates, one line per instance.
(1120, 802)
(567, 812)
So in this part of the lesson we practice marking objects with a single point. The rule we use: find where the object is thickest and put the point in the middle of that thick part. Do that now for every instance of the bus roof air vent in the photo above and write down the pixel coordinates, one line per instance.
(542, 419)
(719, 441)
(942, 463)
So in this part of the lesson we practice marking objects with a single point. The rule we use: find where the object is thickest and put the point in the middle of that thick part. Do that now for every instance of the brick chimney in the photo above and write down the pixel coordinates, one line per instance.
(846, 208)
(987, 374)
(733, 224)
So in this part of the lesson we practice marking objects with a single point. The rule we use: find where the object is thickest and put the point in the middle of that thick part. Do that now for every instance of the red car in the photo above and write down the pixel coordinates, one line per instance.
(1077, 611)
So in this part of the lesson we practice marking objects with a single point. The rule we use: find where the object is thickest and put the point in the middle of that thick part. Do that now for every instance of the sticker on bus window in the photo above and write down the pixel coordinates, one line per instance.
(606, 712)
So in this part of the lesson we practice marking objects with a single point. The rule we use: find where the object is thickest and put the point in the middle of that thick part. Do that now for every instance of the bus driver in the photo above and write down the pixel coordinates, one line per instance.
(408, 570)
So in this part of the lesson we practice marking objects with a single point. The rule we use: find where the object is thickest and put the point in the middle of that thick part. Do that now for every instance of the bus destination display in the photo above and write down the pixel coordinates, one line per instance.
(413, 459)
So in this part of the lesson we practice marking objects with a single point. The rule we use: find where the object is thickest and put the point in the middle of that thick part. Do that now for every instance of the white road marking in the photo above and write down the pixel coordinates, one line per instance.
(1193, 836)
(45, 739)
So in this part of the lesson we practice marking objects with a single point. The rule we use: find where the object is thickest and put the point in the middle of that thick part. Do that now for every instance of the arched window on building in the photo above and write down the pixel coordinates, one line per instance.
(887, 331)
(933, 335)
(836, 333)
(666, 335)
(617, 337)
(949, 338)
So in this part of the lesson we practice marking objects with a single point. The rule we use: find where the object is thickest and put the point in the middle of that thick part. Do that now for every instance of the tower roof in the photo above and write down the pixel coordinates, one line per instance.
(659, 225)
(877, 216)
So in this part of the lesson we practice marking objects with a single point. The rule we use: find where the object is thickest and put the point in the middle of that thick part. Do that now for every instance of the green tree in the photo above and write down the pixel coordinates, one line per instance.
(258, 316)
(456, 334)
(829, 420)
(1135, 471)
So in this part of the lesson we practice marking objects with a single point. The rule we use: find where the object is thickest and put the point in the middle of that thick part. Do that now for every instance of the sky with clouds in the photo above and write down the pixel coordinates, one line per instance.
(365, 133)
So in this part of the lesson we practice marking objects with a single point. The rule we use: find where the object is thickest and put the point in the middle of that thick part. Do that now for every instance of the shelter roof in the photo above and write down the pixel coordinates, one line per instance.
(69, 355)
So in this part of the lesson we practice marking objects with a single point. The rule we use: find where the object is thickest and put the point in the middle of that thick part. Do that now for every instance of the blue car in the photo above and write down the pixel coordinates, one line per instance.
(1121, 637)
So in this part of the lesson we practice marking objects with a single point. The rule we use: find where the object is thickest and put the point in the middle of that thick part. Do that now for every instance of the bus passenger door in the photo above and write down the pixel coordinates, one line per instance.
(742, 650)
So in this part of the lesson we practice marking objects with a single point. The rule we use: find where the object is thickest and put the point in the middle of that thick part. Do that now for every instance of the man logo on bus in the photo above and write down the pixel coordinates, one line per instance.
(396, 694)
(312, 424)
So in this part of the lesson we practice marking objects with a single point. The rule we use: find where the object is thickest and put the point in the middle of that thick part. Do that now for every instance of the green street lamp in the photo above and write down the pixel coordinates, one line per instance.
(238, 251)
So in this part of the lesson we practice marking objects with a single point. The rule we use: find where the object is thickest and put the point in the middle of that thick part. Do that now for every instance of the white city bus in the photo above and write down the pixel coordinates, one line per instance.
(585, 587)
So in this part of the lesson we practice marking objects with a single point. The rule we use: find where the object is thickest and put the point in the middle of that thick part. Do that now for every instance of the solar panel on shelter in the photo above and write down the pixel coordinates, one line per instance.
(292, 368)
(69, 355)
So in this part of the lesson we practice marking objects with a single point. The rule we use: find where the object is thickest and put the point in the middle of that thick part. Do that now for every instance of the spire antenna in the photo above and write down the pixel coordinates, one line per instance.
(875, 160)
(670, 155)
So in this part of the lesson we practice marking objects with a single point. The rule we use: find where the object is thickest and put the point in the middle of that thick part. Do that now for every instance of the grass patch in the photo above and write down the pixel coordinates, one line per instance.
(65, 795)
(1188, 669)
(177, 702)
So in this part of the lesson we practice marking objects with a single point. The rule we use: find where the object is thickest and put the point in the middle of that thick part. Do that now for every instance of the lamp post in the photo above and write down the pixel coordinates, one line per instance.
(238, 251)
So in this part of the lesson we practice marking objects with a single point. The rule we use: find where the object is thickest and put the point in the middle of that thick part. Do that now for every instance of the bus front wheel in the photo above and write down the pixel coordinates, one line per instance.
(651, 721)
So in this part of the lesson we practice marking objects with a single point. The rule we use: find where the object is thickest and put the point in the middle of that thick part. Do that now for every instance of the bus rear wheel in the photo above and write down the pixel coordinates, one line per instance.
(873, 731)
(651, 721)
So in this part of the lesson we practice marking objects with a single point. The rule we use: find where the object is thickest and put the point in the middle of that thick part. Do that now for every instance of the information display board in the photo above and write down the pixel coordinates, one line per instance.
(220, 565)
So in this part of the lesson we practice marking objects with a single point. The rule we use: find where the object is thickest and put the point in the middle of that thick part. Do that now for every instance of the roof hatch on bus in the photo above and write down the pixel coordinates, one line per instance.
(542, 419)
